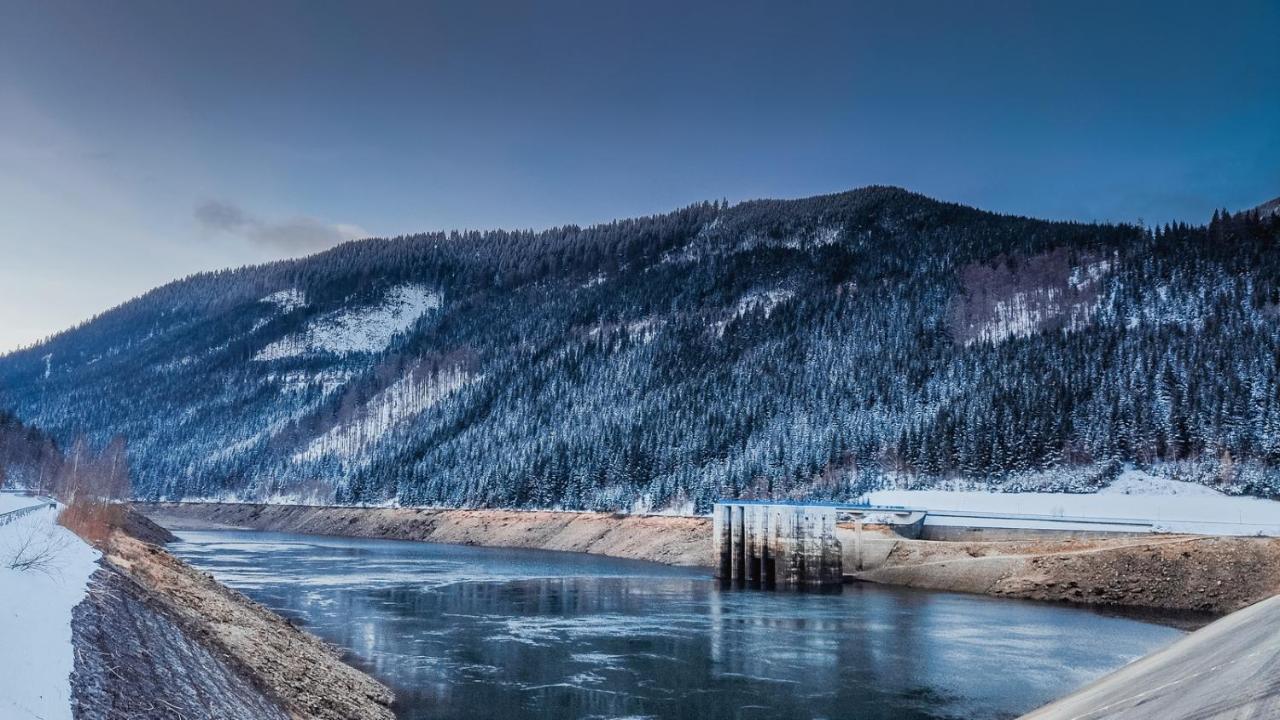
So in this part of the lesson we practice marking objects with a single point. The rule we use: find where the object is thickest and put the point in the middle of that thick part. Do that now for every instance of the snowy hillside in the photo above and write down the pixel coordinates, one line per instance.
(823, 347)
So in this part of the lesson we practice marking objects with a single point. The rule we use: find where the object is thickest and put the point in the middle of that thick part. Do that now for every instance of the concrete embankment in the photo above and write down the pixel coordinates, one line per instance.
(1229, 669)
(664, 539)
(159, 639)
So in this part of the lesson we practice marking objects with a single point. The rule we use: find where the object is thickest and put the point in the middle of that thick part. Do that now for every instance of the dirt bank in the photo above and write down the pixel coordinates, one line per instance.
(134, 660)
(1170, 572)
(160, 633)
(669, 540)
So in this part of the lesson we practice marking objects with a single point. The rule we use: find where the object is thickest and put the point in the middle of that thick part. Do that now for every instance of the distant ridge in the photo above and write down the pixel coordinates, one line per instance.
(1269, 208)
(817, 347)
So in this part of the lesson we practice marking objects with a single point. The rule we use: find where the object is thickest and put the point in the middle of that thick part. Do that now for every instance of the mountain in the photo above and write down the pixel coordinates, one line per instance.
(1268, 208)
(790, 348)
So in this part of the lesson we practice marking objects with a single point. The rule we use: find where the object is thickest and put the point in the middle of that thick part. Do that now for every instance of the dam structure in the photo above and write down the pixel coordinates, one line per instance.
(784, 546)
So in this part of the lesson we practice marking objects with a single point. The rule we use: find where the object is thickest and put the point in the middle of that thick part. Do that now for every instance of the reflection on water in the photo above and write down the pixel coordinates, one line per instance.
(463, 632)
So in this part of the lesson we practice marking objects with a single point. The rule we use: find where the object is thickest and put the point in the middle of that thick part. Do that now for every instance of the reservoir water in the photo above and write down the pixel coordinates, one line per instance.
(464, 632)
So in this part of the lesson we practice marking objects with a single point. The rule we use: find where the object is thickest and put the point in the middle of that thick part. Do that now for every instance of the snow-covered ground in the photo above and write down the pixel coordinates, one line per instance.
(1170, 505)
(35, 612)
(763, 301)
(287, 300)
(357, 330)
(12, 501)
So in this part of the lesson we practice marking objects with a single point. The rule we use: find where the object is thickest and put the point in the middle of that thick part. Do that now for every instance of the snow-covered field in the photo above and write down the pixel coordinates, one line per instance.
(35, 611)
(1170, 505)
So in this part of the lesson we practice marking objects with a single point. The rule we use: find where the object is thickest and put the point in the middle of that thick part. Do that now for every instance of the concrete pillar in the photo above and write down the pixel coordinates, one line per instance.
(722, 539)
(766, 559)
(857, 542)
(791, 573)
(753, 544)
(739, 549)
(832, 556)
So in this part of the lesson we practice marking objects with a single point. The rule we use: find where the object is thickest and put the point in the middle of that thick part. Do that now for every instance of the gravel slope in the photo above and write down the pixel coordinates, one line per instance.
(134, 660)
(159, 639)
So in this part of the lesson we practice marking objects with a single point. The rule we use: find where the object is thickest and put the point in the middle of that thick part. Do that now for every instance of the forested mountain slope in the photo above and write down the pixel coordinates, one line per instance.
(787, 348)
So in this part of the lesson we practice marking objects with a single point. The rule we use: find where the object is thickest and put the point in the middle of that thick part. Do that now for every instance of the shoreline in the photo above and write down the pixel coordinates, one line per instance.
(1213, 576)
(1017, 569)
(156, 631)
(667, 539)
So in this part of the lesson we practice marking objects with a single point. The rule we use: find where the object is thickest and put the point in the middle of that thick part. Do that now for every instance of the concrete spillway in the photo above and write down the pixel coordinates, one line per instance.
(788, 547)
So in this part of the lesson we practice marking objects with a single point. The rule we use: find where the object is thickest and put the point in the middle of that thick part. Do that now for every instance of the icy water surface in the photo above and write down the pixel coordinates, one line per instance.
(463, 632)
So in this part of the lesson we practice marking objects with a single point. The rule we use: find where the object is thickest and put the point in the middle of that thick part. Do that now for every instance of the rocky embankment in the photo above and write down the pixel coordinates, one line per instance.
(1168, 572)
(134, 659)
(665, 539)
(159, 639)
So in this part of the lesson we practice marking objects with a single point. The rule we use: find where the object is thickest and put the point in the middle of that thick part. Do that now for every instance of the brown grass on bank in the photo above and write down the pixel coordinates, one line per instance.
(93, 521)
(94, 488)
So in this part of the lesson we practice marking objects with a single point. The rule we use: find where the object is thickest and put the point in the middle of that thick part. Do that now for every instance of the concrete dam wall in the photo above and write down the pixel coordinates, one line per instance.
(787, 547)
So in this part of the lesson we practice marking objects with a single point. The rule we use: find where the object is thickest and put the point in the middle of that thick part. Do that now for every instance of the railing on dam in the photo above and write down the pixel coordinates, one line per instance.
(776, 545)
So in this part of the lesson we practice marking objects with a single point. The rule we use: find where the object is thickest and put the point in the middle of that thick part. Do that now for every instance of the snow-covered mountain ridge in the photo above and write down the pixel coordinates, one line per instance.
(820, 347)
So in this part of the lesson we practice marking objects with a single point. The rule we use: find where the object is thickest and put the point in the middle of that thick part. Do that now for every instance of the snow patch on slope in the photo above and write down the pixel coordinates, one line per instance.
(287, 300)
(711, 241)
(642, 331)
(358, 330)
(1041, 293)
(36, 655)
(1136, 482)
(394, 406)
(299, 382)
(760, 301)
(1024, 314)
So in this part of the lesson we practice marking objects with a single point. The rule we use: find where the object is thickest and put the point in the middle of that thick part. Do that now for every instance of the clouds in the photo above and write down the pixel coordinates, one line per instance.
(297, 235)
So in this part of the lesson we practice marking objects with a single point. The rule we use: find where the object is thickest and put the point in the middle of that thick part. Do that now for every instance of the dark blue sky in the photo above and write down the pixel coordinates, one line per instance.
(140, 141)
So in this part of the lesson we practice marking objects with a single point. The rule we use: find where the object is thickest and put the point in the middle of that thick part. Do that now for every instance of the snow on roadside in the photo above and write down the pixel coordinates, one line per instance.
(13, 501)
(35, 615)
(1170, 505)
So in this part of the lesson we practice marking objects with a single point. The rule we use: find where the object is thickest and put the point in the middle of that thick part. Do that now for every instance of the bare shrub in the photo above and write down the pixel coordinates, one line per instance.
(32, 545)
(95, 489)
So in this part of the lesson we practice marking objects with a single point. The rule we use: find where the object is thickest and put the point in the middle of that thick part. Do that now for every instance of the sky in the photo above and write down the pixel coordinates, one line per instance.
(142, 141)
